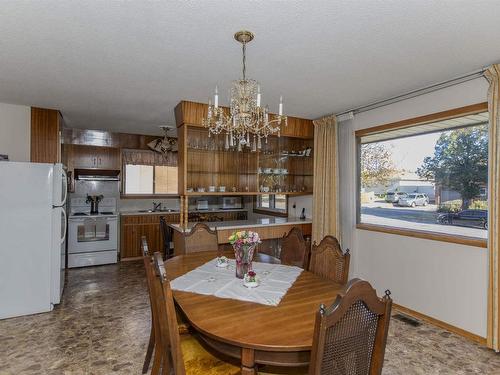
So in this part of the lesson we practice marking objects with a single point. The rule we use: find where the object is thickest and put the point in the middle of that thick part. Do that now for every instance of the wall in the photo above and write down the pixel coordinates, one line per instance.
(15, 124)
(445, 281)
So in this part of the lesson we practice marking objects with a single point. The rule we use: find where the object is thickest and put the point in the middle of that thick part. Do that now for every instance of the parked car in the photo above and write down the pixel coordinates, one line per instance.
(467, 218)
(393, 197)
(413, 200)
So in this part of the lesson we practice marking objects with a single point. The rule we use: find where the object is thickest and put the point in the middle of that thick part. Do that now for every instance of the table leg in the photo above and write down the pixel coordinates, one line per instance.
(248, 362)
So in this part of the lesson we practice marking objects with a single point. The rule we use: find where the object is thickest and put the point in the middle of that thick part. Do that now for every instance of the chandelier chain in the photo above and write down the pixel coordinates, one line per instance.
(244, 61)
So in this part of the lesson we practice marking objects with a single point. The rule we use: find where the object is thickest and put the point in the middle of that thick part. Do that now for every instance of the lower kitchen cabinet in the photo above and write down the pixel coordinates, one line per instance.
(133, 227)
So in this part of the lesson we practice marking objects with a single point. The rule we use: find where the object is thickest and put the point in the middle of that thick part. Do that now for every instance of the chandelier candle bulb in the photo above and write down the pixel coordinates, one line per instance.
(216, 97)
(280, 111)
(258, 96)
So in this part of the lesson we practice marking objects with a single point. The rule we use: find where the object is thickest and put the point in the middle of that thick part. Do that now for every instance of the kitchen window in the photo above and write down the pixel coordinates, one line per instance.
(426, 177)
(273, 204)
(147, 173)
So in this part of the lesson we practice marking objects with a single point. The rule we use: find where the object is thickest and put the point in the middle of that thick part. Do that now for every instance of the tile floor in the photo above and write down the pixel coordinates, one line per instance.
(102, 327)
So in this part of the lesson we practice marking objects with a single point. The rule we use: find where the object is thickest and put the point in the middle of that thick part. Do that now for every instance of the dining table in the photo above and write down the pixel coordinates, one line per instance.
(252, 333)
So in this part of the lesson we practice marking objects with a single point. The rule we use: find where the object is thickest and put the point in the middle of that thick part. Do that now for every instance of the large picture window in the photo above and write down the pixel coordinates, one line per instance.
(148, 173)
(430, 176)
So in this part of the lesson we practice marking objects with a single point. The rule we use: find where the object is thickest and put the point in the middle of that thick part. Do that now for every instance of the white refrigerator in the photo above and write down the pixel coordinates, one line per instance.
(32, 237)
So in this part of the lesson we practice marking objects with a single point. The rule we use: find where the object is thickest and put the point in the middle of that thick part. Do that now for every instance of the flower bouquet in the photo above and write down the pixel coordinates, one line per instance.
(244, 244)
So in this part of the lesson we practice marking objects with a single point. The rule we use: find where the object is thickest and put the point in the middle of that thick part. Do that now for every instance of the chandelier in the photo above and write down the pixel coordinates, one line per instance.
(247, 121)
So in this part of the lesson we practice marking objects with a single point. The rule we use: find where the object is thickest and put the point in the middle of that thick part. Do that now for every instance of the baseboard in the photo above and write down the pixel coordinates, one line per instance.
(438, 323)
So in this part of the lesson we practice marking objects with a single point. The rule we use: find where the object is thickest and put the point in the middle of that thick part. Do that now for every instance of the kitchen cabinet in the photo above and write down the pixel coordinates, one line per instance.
(86, 157)
(133, 227)
(46, 125)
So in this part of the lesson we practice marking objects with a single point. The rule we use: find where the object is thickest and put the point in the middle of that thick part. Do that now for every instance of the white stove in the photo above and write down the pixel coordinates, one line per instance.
(92, 238)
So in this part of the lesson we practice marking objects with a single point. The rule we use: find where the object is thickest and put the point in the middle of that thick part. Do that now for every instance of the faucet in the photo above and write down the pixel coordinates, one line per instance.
(156, 206)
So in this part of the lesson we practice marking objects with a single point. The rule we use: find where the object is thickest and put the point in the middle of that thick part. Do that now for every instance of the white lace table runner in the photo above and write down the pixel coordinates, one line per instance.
(274, 282)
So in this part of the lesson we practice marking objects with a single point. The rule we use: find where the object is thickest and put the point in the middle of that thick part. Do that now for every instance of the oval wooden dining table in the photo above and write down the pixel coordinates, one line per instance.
(250, 332)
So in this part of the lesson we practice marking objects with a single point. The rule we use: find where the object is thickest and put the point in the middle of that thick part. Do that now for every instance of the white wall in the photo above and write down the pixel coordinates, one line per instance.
(15, 129)
(442, 280)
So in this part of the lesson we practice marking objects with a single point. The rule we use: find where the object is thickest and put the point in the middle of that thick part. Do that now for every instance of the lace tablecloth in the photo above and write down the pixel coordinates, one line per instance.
(274, 281)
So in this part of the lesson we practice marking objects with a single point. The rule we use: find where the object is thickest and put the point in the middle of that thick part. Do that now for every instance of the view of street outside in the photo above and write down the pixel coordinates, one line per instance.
(430, 181)
(419, 218)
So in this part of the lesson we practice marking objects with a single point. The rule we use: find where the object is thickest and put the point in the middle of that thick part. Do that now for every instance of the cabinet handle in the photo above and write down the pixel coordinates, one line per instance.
(100, 163)
(94, 162)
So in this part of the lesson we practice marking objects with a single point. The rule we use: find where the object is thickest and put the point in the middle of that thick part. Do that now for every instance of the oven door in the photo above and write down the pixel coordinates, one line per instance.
(90, 234)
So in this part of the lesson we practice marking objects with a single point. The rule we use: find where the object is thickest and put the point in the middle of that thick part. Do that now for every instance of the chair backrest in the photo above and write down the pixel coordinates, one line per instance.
(144, 246)
(350, 335)
(152, 289)
(328, 260)
(294, 249)
(166, 236)
(200, 238)
(168, 320)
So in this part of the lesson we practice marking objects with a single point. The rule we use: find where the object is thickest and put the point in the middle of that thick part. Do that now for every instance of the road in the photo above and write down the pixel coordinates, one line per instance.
(421, 218)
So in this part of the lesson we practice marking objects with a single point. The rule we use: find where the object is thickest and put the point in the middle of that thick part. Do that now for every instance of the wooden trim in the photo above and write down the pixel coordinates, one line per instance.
(148, 196)
(438, 323)
(438, 116)
(433, 236)
(270, 212)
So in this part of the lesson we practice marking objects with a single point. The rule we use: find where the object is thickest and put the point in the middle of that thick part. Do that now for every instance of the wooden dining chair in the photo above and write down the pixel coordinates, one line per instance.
(329, 261)
(201, 238)
(153, 336)
(184, 354)
(294, 249)
(350, 336)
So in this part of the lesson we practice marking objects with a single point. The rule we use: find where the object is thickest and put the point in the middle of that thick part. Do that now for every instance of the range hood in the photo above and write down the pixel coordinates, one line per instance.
(97, 174)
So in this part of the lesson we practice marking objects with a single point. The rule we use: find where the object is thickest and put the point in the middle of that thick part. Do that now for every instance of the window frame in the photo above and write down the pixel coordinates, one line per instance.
(125, 195)
(270, 211)
(434, 117)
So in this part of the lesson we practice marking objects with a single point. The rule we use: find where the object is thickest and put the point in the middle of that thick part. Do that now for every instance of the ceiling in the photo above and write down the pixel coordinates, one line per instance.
(123, 66)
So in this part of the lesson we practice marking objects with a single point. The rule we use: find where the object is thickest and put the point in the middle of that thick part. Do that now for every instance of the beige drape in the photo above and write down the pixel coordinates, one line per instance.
(325, 198)
(493, 76)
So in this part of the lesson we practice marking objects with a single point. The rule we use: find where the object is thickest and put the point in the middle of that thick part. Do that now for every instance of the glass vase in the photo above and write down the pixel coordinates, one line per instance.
(243, 256)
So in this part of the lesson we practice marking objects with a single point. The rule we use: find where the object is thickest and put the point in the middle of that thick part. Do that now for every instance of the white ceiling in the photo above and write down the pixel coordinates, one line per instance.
(124, 65)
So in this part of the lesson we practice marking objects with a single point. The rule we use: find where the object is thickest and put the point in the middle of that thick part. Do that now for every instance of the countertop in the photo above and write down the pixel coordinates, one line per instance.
(237, 224)
(137, 212)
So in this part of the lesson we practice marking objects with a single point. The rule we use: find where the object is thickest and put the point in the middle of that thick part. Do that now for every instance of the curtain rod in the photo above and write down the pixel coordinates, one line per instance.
(412, 94)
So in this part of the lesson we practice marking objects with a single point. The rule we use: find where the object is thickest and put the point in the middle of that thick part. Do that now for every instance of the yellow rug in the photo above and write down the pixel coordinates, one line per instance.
(198, 361)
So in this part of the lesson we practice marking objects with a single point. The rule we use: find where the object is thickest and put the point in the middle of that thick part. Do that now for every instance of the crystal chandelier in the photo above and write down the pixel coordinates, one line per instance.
(247, 121)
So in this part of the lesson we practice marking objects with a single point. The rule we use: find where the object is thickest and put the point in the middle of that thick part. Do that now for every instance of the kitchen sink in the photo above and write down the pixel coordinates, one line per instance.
(151, 211)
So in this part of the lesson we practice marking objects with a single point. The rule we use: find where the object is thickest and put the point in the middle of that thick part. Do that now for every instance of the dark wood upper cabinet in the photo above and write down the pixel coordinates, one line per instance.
(95, 157)
(46, 125)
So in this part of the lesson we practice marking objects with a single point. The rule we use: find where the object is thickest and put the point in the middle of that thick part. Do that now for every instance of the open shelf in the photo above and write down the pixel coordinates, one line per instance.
(248, 193)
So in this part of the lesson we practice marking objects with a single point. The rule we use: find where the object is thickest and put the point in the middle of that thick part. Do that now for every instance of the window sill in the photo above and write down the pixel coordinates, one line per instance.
(270, 212)
(434, 236)
(148, 196)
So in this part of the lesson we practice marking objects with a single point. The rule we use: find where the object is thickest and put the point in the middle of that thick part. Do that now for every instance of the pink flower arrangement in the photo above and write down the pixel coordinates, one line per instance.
(244, 237)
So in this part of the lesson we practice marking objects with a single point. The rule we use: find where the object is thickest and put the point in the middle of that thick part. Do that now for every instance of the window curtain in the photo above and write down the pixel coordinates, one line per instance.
(492, 74)
(145, 157)
(325, 198)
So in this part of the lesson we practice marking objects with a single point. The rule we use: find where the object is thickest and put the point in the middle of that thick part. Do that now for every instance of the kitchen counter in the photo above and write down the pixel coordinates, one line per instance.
(141, 212)
(242, 224)
(133, 213)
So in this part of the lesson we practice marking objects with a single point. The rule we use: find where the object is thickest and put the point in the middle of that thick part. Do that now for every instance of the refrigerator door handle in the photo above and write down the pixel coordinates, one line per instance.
(63, 237)
(65, 188)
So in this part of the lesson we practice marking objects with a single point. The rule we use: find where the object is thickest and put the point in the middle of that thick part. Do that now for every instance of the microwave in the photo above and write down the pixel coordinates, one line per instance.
(231, 203)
